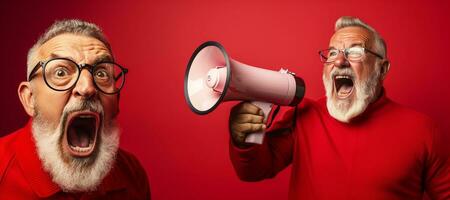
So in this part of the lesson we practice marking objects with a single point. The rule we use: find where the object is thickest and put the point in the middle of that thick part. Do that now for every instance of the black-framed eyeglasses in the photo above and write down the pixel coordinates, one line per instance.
(62, 74)
(351, 54)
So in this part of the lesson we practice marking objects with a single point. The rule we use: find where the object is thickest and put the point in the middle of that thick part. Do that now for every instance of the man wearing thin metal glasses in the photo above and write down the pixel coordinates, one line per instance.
(70, 146)
(355, 143)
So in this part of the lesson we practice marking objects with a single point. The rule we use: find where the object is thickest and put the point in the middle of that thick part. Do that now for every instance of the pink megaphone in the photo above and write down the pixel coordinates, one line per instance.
(213, 77)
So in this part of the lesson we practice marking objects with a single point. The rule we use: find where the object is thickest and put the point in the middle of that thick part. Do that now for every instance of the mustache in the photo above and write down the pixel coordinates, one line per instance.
(342, 72)
(92, 105)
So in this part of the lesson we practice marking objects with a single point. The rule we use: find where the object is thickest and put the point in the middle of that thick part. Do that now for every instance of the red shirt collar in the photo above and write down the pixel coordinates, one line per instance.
(40, 181)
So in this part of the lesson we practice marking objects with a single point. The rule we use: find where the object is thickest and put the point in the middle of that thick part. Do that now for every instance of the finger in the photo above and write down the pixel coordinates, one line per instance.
(239, 137)
(251, 128)
(247, 108)
(236, 132)
(248, 118)
(240, 131)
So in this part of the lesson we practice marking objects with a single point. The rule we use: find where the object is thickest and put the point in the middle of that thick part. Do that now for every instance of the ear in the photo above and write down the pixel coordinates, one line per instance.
(385, 65)
(26, 98)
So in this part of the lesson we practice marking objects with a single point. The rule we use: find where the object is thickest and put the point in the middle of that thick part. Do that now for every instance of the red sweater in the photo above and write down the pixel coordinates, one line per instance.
(388, 152)
(22, 176)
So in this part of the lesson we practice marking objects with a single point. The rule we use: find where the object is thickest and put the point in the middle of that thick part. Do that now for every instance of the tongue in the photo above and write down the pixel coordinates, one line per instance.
(79, 137)
(345, 90)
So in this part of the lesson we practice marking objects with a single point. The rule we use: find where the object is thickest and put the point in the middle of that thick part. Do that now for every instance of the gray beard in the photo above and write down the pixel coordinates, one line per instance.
(347, 109)
(74, 174)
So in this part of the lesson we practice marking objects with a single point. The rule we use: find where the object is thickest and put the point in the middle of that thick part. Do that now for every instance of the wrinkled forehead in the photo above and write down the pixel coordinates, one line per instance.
(351, 36)
(79, 48)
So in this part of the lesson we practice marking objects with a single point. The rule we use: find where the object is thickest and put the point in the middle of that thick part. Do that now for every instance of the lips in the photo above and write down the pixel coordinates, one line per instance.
(81, 133)
(343, 85)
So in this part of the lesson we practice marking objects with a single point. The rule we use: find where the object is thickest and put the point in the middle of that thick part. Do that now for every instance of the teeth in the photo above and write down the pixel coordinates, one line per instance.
(342, 76)
(81, 149)
(86, 116)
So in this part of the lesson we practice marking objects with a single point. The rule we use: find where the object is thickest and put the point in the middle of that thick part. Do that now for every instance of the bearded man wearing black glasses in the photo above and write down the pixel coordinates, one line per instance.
(70, 147)
(355, 143)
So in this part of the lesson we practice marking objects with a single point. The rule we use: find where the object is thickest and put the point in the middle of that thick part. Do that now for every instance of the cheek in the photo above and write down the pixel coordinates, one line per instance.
(327, 70)
(50, 105)
(365, 69)
(360, 70)
(110, 105)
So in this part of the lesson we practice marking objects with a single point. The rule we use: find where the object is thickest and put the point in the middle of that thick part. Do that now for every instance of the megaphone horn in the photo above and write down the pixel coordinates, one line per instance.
(213, 77)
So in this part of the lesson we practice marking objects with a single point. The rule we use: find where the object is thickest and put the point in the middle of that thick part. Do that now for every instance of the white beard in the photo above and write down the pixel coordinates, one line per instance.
(70, 173)
(365, 90)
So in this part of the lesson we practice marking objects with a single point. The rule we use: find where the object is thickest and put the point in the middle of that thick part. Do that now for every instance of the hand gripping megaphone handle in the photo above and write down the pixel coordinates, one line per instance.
(258, 137)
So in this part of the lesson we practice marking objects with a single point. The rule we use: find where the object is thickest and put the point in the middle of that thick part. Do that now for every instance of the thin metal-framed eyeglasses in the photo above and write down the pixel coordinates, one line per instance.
(62, 74)
(351, 54)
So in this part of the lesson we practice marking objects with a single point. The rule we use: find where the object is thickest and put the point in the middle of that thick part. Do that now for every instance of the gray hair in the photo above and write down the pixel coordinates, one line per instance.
(73, 26)
(347, 21)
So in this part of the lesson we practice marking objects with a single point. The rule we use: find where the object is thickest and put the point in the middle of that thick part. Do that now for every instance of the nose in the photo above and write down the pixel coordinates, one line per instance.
(341, 61)
(85, 87)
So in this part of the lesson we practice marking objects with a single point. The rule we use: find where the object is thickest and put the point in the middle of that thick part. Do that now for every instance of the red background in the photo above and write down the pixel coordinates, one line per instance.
(186, 155)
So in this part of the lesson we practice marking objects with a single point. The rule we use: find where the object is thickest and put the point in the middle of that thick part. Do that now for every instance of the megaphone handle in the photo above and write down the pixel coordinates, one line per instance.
(257, 138)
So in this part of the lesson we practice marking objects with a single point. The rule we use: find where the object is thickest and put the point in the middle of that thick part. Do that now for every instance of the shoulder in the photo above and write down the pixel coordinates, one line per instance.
(134, 174)
(129, 163)
(6, 151)
(130, 166)
(310, 107)
(404, 122)
(406, 115)
(7, 141)
(307, 109)
(308, 103)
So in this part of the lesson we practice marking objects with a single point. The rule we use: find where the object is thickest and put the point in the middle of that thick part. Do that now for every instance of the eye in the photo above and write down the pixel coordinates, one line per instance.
(332, 53)
(101, 74)
(61, 72)
(355, 51)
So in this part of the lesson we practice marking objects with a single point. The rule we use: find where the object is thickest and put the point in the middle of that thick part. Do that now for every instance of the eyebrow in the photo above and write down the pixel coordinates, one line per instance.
(55, 55)
(352, 45)
(104, 58)
(357, 44)
(101, 58)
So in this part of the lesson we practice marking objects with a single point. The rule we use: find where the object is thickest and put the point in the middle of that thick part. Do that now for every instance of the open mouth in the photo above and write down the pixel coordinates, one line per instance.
(343, 85)
(81, 133)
